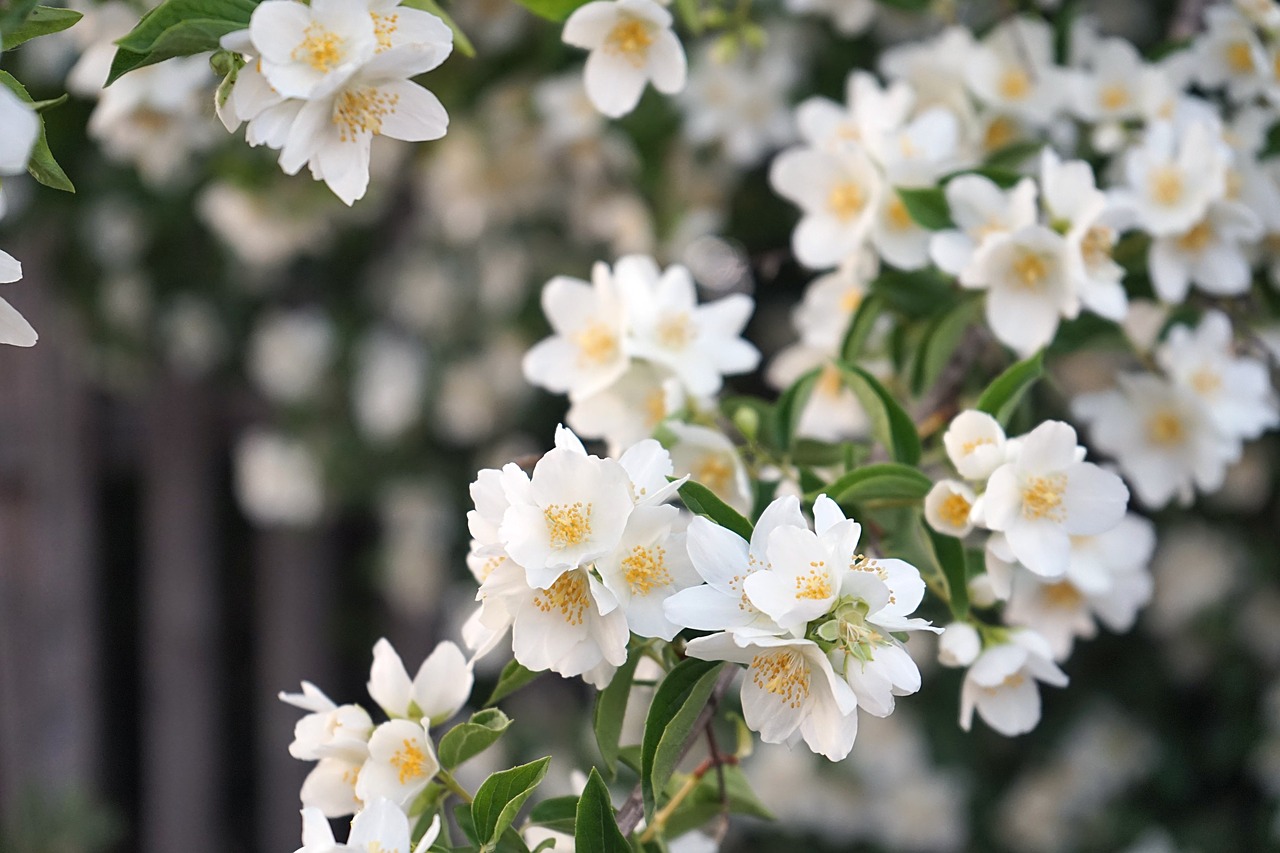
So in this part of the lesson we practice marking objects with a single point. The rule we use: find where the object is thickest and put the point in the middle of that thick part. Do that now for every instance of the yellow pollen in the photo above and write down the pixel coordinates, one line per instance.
(970, 446)
(630, 38)
(846, 200)
(409, 760)
(1113, 97)
(1235, 184)
(1042, 497)
(1062, 595)
(1239, 57)
(785, 674)
(1275, 65)
(644, 569)
(1030, 269)
(851, 300)
(320, 49)
(815, 585)
(898, 215)
(1097, 245)
(675, 332)
(569, 596)
(384, 27)
(955, 510)
(596, 344)
(1165, 185)
(490, 566)
(1165, 428)
(830, 382)
(1205, 382)
(655, 407)
(1014, 85)
(1000, 133)
(1196, 239)
(862, 563)
(362, 110)
(567, 524)
(715, 472)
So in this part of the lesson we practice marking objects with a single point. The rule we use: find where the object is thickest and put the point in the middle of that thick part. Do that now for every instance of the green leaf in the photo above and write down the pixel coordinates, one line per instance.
(552, 10)
(676, 705)
(1013, 155)
(808, 451)
(908, 5)
(460, 40)
(513, 677)
(179, 28)
(890, 422)
(557, 813)
(885, 481)
(951, 559)
(927, 206)
(703, 803)
(43, 21)
(916, 293)
(499, 798)
(467, 740)
(860, 326)
(14, 13)
(1271, 147)
(42, 166)
(791, 406)
(595, 828)
(611, 706)
(940, 342)
(1001, 177)
(1003, 395)
(702, 501)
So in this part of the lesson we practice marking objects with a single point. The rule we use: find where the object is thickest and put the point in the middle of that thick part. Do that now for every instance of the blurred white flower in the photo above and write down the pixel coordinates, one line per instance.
(631, 44)
(278, 480)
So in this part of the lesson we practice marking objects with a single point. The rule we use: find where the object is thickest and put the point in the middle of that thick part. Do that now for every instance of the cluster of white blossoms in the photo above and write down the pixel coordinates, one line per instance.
(322, 80)
(1061, 551)
(630, 44)
(811, 617)
(1175, 432)
(376, 771)
(19, 128)
(633, 346)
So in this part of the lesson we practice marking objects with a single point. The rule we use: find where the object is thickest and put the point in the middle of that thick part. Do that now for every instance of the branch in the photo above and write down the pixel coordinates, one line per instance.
(633, 809)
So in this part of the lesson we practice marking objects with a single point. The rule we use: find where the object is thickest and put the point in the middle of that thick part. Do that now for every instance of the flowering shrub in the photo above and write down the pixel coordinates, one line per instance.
(988, 207)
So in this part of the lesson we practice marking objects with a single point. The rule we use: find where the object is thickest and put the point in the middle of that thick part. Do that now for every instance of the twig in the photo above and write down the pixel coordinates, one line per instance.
(633, 809)
(722, 824)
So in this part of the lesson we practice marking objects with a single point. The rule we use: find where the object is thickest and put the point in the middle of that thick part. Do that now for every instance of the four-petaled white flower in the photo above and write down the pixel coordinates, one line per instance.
(436, 693)
(1001, 684)
(401, 763)
(631, 44)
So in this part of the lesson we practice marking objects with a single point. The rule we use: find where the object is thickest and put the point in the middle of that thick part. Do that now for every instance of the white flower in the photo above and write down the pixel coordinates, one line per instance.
(1107, 577)
(838, 193)
(698, 343)
(849, 16)
(631, 43)
(311, 50)
(1236, 392)
(1027, 276)
(725, 561)
(649, 565)
(959, 645)
(947, 508)
(383, 827)
(570, 512)
(1046, 496)
(870, 114)
(400, 764)
(1071, 198)
(387, 389)
(1001, 684)
(587, 352)
(437, 692)
(630, 409)
(336, 737)
(1229, 54)
(1173, 177)
(14, 328)
(568, 116)
(1012, 70)
(1118, 84)
(290, 354)
(975, 444)
(1209, 254)
(278, 480)
(980, 210)
(1161, 437)
(790, 690)
(710, 458)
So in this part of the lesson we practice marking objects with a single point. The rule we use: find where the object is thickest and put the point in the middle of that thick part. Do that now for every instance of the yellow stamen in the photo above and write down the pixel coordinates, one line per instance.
(816, 584)
(1042, 497)
(1030, 270)
(645, 568)
(715, 472)
(785, 674)
(1239, 57)
(1165, 428)
(1113, 97)
(362, 110)
(955, 510)
(1165, 185)
(898, 215)
(1062, 595)
(409, 760)
(570, 596)
(384, 27)
(1097, 245)
(631, 39)
(597, 344)
(675, 332)
(567, 524)
(1205, 382)
(846, 200)
(999, 134)
(1196, 239)
(1014, 84)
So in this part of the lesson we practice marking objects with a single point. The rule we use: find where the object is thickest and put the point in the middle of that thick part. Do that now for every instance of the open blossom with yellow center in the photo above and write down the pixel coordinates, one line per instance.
(785, 674)
(1001, 684)
(304, 49)
(569, 597)
(568, 524)
(1045, 496)
(846, 200)
(400, 764)
(947, 508)
(1014, 84)
(321, 49)
(1165, 185)
(631, 44)
(650, 565)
